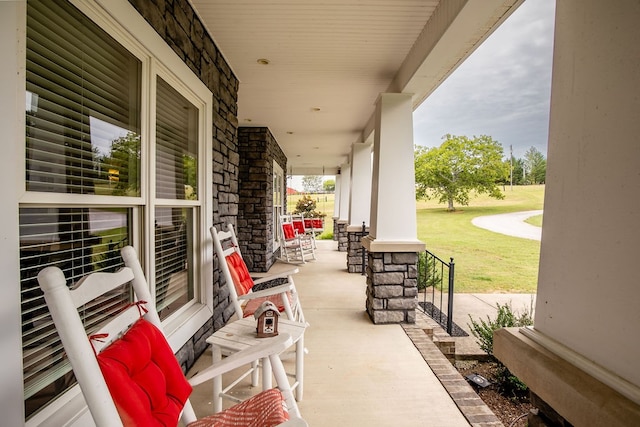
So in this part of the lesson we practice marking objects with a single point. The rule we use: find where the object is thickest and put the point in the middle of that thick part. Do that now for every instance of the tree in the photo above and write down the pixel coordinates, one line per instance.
(536, 166)
(312, 183)
(450, 172)
(329, 185)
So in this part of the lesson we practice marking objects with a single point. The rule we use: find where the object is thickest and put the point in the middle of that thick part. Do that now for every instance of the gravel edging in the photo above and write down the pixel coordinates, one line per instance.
(464, 396)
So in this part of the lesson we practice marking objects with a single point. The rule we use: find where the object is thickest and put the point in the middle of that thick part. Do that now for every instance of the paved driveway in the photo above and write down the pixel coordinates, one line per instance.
(511, 224)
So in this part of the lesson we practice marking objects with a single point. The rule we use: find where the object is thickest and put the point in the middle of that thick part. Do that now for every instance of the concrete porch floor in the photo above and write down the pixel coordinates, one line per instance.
(356, 373)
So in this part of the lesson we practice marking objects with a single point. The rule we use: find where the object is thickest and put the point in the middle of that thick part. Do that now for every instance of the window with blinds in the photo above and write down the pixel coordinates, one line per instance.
(82, 105)
(173, 259)
(79, 241)
(176, 144)
(84, 109)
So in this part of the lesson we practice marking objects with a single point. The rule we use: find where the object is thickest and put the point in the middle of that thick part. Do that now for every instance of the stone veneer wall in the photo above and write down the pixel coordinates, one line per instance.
(392, 287)
(178, 25)
(354, 251)
(340, 234)
(258, 149)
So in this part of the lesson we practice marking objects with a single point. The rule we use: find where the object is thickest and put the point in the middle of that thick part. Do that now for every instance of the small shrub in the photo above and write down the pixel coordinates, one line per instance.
(508, 384)
(427, 274)
(307, 206)
(483, 330)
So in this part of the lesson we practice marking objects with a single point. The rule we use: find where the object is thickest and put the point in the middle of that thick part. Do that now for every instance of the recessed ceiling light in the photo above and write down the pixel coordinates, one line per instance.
(315, 109)
(263, 61)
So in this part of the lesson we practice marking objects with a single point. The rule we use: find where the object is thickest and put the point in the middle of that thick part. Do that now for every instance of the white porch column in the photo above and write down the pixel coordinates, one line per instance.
(359, 206)
(582, 355)
(393, 202)
(340, 226)
(392, 241)
(360, 197)
(345, 191)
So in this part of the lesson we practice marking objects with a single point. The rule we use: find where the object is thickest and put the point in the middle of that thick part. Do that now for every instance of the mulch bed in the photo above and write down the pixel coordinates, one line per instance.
(506, 408)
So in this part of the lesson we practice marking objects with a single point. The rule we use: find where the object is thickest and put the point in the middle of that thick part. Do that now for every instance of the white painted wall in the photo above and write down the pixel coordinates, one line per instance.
(589, 280)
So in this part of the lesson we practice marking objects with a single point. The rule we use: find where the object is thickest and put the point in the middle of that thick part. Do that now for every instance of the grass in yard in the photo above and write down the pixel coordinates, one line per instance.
(485, 261)
(324, 204)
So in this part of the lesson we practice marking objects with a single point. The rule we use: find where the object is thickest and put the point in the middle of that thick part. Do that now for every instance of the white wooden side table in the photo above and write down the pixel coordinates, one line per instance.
(241, 334)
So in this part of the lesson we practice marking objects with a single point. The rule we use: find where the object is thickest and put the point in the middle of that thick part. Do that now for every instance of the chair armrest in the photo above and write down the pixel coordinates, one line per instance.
(283, 274)
(275, 345)
(294, 422)
(276, 290)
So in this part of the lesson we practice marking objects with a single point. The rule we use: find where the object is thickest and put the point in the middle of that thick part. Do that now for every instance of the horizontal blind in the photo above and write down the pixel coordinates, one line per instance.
(83, 105)
(79, 241)
(173, 258)
(176, 145)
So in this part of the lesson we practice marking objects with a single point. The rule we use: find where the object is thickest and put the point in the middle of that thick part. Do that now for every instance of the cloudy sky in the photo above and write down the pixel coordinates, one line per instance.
(501, 90)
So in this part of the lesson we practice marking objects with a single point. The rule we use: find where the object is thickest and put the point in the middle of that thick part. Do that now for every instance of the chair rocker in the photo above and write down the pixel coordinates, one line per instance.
(244, 296)
(294, 247)
(127, 371)
(246, 300)
(300, 226)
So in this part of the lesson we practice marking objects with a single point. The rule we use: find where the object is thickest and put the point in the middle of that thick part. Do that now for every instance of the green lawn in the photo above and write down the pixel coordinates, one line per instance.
(485, 261)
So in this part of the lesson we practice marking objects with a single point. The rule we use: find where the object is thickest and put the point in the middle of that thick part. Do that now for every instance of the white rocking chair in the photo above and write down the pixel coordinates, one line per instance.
(133, 378)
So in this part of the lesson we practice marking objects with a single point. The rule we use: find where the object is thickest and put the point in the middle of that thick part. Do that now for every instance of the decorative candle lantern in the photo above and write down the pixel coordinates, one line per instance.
(267, 316)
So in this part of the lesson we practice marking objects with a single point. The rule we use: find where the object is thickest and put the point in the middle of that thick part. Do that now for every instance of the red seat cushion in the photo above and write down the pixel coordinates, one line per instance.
(317, 223)
(288, 231)
(239, 273)
(308, 223)
(262, 410)
(144, 377)
(298, 226)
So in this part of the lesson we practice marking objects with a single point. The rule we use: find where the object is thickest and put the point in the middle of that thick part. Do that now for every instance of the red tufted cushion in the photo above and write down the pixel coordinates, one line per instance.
(144, 377)
(262, 410)
(239, 273)
(288, 231)
(317, 223)
(298, 225)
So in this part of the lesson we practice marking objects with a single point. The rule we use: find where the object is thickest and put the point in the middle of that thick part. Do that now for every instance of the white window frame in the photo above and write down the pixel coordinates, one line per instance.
(123, 23)
(278, 173)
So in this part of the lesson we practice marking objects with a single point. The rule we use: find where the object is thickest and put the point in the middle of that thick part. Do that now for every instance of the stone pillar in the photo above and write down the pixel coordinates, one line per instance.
(355, 249)
(392, 287)
(392, 241)
(257, 149)
(340, 234)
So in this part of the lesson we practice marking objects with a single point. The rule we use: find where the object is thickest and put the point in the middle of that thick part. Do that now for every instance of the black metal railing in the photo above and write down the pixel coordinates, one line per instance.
(433, 273)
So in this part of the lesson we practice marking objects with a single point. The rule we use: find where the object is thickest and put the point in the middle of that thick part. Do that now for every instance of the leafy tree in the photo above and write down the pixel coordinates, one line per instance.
(123, 160)
(536, 166)
(312, 183)
(518, 171)
(450, 172)
(329, 185)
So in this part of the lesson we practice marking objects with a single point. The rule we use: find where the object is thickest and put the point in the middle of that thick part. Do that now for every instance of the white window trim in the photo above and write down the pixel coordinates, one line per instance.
(123, 22)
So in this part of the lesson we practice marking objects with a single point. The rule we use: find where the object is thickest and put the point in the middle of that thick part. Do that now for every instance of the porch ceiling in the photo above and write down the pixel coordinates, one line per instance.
(329, 61)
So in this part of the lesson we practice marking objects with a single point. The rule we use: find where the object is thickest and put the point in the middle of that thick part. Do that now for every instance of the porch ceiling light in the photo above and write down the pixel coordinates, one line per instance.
(263, 61)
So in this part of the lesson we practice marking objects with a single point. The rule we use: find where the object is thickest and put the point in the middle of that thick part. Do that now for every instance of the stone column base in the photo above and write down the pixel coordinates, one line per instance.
(340, 234)
(355, 249)
(392, 290)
